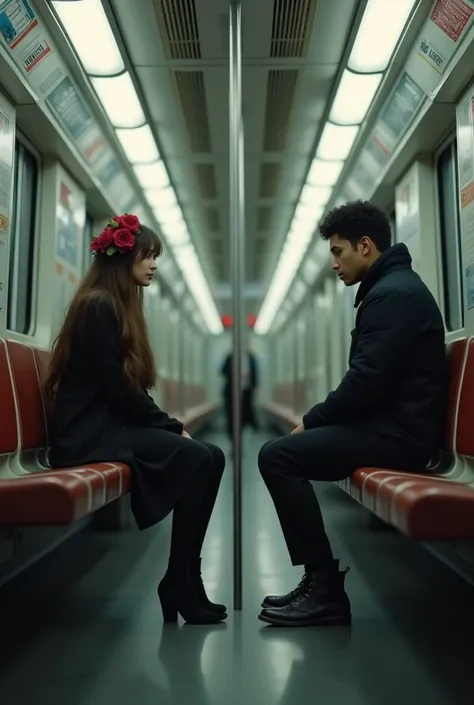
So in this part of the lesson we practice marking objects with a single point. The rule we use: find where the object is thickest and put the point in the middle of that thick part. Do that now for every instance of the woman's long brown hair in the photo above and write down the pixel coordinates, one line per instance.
(110, 278)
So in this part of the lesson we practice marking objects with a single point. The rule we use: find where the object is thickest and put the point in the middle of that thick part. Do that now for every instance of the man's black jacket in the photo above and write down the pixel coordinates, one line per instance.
(396, 384)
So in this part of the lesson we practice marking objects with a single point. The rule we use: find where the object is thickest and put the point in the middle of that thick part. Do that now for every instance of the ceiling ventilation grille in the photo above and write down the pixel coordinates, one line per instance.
(280, 95)
(192, 94)
(270, 175)
(291, 28)
(179, 30)
(206, 177)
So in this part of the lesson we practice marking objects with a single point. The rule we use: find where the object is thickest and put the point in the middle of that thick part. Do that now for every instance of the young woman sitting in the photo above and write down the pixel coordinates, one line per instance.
(101, 370)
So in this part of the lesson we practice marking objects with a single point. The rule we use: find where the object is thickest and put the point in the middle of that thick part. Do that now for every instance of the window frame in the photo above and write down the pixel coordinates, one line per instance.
(21, 138)
(448, 141)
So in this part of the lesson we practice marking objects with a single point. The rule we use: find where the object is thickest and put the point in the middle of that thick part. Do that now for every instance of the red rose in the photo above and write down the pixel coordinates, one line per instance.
(124, 239)
(131, 222)
(103, 241)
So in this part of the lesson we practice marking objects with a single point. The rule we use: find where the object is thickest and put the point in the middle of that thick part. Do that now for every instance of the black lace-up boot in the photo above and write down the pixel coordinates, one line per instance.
(282, 600)
(322, 601)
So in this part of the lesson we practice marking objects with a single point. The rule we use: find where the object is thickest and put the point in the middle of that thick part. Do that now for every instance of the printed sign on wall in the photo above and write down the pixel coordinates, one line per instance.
(7, 146)
(465, 135)
(438, 41)
(26, 39)
(407, 214)
(70, 222)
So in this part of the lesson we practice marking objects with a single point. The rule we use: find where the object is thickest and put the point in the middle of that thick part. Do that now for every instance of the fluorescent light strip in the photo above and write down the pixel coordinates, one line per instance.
(315, 195)
(152, 175)
(336, 141)
(138, 144)
(119, 98)
(354, 96)
(88, 29)
(381, 27)
(324, 173)
(168, 216)
(161, 198)
(371, 54)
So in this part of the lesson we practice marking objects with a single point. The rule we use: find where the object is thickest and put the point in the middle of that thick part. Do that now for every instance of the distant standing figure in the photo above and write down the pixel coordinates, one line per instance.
(249, 386)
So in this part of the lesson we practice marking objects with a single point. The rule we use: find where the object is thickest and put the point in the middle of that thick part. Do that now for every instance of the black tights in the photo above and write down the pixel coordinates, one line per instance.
(193, 511)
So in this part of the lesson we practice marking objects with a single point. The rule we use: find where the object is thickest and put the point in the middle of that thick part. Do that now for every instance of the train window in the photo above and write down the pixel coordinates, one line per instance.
(449, 218)
(88, 235)
(22, 244)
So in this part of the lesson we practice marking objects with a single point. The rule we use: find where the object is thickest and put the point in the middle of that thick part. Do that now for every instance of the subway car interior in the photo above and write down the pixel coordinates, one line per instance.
(231, 129)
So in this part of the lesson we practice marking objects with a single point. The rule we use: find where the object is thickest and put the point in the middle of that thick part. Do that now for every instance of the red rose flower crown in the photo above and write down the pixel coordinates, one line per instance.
(118, 236)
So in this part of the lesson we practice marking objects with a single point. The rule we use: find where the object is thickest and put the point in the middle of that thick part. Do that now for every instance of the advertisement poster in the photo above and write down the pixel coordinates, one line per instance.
(72, 113)
(19, 28)
(465, 141)
(68, 261)
(7, 145)
(399, 111)
(376, 150)
(465, 128)
(363, 180)
(407, 215)
(402, 106)
(438, 41)
(68, 232)
(27, 41)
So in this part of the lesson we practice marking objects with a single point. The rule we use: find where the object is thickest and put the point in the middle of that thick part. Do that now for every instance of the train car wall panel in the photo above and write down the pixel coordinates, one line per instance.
(25, 39)
(441, 35)
(157, 314)
(435, 48)
(465, 134)
(7, 147)
(63, 213)
(335, 330)
(416, 227)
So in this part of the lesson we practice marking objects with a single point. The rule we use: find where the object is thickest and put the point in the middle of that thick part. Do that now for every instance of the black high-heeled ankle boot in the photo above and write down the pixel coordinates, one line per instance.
(178, 595)
(196, 578)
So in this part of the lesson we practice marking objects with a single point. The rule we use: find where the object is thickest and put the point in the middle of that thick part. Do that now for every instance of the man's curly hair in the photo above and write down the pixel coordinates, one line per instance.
(357, 219)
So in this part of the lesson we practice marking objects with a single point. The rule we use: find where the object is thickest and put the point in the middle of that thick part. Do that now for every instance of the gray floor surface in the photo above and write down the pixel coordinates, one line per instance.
(84, 625)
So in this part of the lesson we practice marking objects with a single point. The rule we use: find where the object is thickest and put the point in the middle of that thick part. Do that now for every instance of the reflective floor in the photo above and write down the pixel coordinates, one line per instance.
(84, 626)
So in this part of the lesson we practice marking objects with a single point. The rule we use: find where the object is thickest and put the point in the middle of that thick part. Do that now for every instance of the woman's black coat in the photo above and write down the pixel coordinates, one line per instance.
(97, 417)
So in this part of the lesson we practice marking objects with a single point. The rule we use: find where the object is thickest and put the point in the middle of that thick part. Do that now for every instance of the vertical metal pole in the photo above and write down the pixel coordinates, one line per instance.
(237, 214)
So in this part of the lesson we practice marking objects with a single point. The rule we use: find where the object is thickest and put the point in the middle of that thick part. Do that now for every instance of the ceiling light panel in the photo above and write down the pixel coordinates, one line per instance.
(152, 175)
(119, 98)
(315, 195)
(162, 198)
(139, 144)
(382, 24)
(323, 173)
(336, 141)
(354, 97)
(88, 29)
